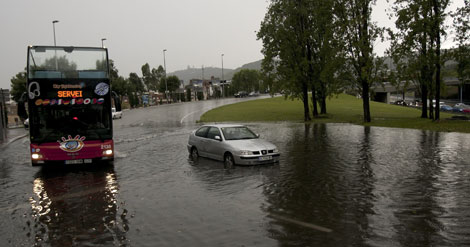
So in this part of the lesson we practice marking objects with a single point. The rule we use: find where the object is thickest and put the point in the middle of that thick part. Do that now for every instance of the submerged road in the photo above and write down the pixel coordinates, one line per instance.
(336, 185)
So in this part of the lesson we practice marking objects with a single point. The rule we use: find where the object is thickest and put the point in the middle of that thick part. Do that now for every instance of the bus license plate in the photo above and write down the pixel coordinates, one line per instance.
(265, 158)
(69, 162)
(80, 161)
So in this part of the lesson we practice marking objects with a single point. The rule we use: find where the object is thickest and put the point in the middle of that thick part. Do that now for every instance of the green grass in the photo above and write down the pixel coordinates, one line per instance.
(341, 109)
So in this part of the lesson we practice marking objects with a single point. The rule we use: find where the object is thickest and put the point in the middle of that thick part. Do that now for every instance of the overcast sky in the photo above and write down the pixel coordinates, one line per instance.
(194, 32)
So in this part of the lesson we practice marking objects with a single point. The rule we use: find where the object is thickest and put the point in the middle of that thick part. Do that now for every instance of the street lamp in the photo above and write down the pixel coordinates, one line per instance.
(53, 28)
(222, 56)
(102, 44)
(166, 85)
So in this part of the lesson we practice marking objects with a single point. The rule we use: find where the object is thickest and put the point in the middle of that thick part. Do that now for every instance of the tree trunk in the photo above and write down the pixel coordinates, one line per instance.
(424, 101)
(305, 100)
(310, 79)
(314, 101)
(365, 101)
(323, 98)
(437, 16)
(424, 78)
(431, 106)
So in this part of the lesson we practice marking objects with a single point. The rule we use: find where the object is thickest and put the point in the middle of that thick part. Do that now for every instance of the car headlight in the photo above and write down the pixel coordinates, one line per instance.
(246, 152)
(276, 150)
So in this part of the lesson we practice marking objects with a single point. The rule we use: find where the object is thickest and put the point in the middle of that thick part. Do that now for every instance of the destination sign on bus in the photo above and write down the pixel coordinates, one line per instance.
(69, 94)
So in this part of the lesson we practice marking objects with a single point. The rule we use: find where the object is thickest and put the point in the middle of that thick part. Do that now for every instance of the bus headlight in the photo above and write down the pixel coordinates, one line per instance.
(36, 156)
(108, 152)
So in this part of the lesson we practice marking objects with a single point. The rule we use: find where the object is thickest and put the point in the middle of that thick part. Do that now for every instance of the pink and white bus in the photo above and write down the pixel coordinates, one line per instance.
(69, 105)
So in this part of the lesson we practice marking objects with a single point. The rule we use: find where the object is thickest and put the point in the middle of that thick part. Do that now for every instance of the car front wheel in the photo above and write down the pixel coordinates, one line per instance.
(194, 153)
(228, 161)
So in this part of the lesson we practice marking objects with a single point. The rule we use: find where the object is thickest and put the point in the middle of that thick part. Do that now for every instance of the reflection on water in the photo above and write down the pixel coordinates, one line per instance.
(77, 208)
(335, 185)
(370, 186)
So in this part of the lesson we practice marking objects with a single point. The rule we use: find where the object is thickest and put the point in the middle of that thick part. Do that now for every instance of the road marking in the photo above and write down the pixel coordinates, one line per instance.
(300, 223)
(16, 138)
(187, 115)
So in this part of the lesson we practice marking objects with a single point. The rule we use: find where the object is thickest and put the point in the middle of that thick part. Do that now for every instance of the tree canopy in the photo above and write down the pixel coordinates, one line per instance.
(247, 80)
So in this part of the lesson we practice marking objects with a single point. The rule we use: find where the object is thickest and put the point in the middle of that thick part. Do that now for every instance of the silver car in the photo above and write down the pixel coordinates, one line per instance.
(233, 144)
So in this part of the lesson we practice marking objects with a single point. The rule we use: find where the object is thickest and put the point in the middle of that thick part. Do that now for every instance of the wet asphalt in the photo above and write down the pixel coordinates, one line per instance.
(335, 185)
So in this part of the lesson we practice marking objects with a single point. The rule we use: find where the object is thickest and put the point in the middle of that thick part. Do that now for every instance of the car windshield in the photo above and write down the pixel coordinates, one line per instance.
(238, 133)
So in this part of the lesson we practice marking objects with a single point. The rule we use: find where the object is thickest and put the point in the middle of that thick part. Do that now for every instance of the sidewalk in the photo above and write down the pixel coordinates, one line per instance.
(13, 134)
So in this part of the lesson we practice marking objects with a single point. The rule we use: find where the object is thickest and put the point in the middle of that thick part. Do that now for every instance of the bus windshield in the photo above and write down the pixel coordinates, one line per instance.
(67, 62)
(52, 123)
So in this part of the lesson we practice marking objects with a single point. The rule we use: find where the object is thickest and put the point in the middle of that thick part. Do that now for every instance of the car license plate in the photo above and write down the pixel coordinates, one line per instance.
(263, 158)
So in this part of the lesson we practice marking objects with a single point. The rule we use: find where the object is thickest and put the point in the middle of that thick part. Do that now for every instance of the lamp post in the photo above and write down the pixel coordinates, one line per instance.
(166, 85)
(102, 42)
(53, 28)
(222, 83)
(55, 51)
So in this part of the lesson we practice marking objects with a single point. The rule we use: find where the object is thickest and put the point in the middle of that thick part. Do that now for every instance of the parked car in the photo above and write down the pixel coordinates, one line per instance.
(466, 110)
(445, 108)
(456, 109)
(461, 106)
(232, 144)
(116, 114)
(241, 94)
(253, 94)
(400, 102)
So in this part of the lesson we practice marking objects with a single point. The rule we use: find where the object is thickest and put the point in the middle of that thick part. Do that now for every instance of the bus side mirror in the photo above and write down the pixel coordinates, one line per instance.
(117, 101)
(21, 108)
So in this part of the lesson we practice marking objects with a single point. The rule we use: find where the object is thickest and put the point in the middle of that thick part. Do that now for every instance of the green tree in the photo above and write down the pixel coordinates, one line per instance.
(136, 84)
(173, 83)
(325, 52)
(284, 33)
(420, 26)
(18, 85)
(246, 80)
(360, 33)
(135, 88)
(304, 50)
(462, 53)
(151, 77)
(118, 83)
(146, 76)
(158, 74)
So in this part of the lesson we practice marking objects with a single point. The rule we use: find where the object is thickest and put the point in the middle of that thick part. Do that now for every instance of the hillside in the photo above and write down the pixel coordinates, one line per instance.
(196, 73)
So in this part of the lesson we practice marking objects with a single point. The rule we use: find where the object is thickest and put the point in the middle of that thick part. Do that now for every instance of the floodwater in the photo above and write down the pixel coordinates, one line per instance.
(335, 185)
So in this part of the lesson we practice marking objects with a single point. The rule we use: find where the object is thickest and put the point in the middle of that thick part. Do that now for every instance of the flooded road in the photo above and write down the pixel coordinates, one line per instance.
(335, 185)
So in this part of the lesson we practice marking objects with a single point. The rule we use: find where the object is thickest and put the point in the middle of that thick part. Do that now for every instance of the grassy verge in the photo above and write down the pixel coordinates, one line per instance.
(341, 109)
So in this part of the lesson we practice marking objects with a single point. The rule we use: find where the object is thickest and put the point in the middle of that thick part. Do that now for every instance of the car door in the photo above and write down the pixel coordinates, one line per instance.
(200, 140)
(214, 147)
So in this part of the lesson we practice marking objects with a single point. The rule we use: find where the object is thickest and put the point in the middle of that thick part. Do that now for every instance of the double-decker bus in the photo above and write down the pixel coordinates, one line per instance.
(69, 102)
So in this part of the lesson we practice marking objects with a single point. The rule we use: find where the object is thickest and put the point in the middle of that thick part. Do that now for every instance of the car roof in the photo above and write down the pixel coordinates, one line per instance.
(223, 125)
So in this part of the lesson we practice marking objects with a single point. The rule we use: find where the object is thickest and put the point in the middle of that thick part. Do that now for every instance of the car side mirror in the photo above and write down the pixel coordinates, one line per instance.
(218, 138)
